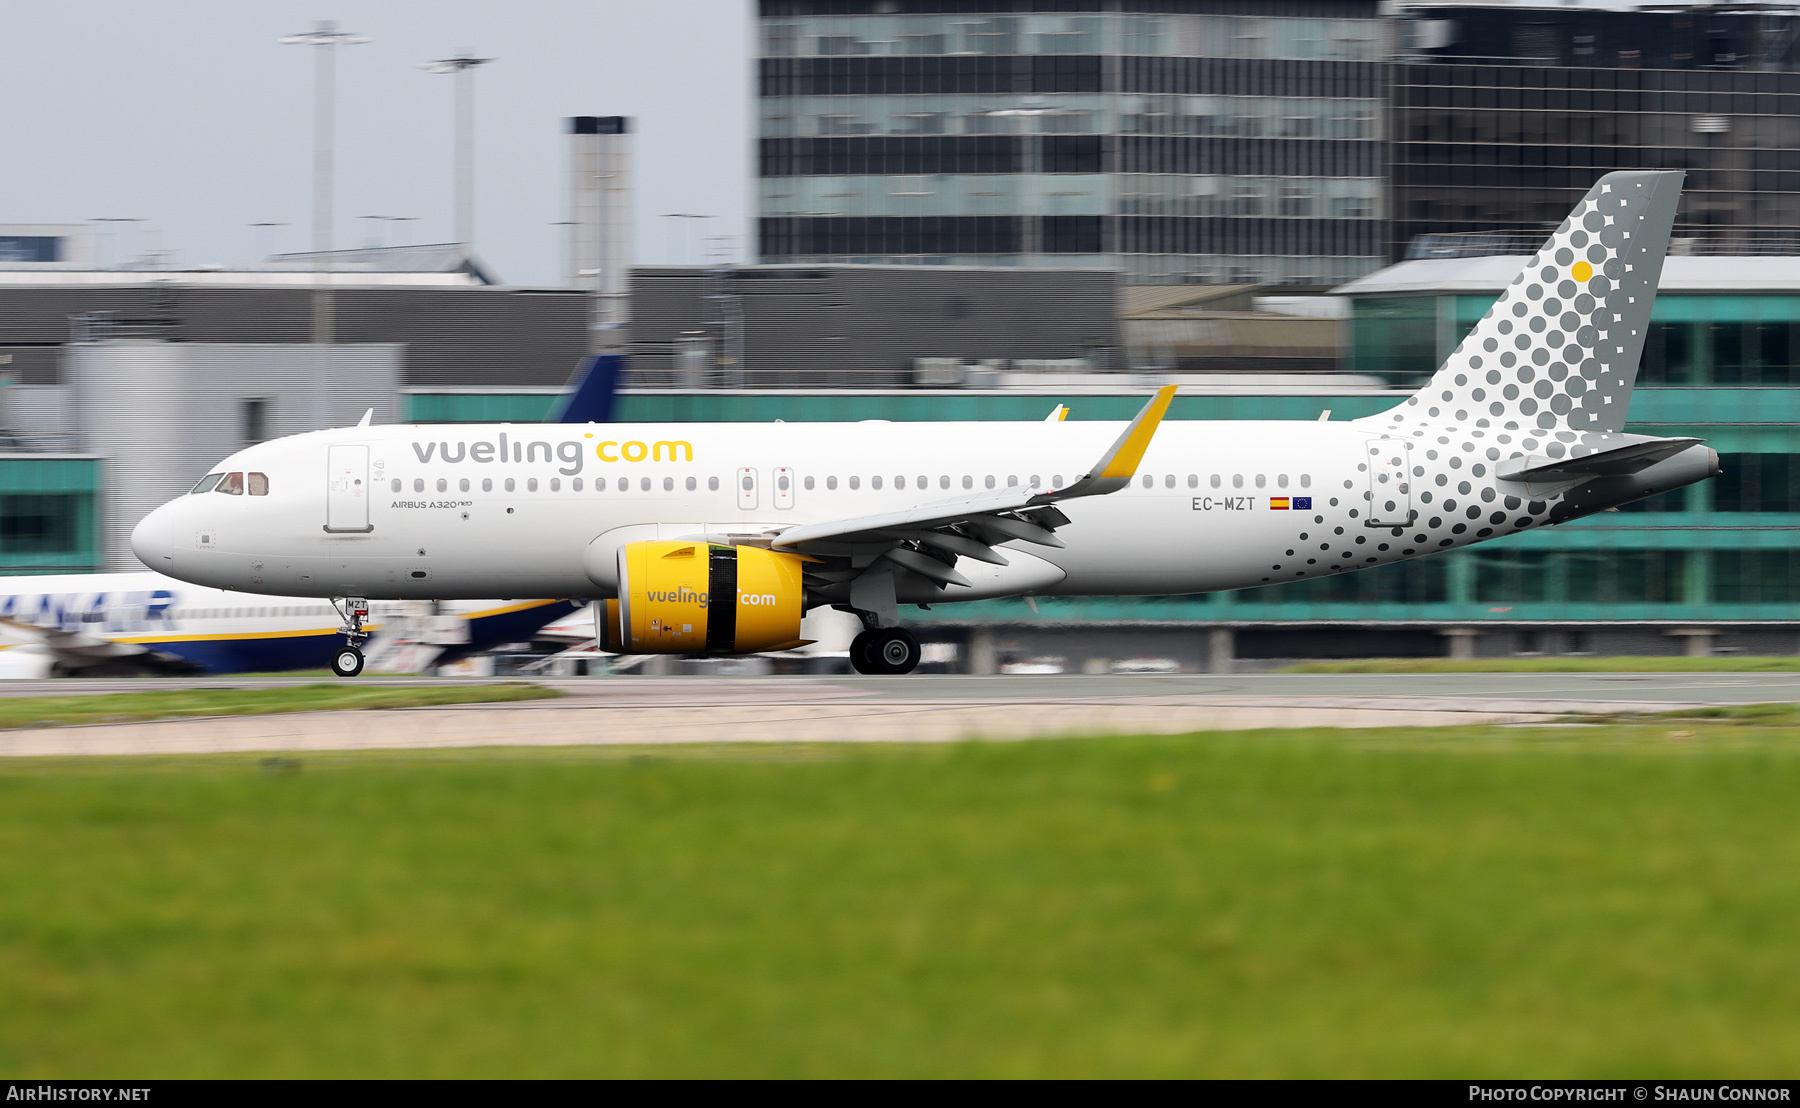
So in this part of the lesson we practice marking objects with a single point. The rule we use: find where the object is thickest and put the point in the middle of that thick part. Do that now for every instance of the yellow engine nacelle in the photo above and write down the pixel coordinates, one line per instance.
(704, 598)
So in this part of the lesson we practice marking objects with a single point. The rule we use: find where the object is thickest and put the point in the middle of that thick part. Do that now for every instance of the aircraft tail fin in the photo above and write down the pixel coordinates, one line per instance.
(591, 399)
(1559, 350)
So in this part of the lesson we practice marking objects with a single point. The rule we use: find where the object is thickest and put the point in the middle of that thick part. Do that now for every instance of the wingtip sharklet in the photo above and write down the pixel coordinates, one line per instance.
(1119, 464)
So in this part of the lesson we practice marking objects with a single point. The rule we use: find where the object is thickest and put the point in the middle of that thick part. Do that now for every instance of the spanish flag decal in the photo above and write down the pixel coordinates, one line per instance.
(1278, 503)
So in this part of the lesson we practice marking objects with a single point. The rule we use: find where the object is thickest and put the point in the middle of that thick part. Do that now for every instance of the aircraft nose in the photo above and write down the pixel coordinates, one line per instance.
(153, 540)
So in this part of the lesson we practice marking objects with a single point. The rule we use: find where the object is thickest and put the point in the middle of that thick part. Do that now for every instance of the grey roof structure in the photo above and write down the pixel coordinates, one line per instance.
(446, 257)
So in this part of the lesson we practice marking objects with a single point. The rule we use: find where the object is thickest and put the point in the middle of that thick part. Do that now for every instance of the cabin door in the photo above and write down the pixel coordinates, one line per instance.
(347, 491)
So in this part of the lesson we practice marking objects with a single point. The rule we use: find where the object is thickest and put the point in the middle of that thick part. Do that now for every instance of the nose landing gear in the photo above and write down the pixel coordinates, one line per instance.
(347, 660)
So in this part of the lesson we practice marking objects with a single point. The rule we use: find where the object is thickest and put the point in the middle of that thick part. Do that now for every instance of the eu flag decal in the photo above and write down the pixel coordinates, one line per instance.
(1303, 503)
(1278, 503)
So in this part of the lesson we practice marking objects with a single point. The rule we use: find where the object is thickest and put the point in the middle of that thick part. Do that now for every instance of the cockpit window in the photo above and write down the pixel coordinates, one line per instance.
(259, 484)
(233, 485)
(206, 483)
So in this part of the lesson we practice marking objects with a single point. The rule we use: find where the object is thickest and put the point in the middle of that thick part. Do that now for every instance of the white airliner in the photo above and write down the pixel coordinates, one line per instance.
(715, 538)
(114, 623)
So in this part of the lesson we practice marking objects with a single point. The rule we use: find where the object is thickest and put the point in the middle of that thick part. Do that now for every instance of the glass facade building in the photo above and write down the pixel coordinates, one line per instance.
(1503, 117)
(1198, 140)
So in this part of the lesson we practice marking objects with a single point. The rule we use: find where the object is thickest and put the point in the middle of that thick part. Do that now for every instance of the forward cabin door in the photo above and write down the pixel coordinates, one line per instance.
(1390, 482)
(347, 491)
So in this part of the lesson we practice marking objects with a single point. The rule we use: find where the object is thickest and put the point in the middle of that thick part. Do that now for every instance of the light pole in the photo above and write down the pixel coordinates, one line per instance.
(685, 237)
(463, 67)
(379, 238)
(260, 230)
(1034, 156)
(325, 37)
(117, 219)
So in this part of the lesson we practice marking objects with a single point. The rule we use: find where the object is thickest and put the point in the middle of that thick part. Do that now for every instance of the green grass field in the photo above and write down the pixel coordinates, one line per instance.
(1555, 664)
(1579, 901)
(63, 711)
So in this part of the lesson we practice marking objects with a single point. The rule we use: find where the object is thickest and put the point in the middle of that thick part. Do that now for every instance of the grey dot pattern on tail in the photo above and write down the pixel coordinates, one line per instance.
(1546, 374)
(1559, 349)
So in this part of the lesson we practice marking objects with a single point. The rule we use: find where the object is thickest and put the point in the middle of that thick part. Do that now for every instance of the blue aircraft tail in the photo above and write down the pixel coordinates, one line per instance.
(591, 400)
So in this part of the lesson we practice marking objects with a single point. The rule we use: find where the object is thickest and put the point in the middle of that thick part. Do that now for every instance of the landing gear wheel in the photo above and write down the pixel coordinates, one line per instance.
(859, 653)
(892, 650)
(347, 661)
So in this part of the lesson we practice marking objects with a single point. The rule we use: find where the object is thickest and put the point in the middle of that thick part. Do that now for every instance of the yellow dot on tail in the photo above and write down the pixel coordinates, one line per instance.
(1582, 271)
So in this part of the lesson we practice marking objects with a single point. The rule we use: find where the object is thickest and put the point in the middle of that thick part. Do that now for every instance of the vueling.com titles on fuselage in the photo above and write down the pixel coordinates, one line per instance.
(570, 453)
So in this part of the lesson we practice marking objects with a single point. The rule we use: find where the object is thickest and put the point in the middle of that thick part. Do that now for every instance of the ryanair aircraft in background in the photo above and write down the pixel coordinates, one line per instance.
(128, 623)
(717, 538)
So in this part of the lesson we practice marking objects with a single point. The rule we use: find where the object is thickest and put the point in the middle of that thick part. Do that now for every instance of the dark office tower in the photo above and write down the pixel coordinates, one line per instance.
(1176, 140)
(1503, 117)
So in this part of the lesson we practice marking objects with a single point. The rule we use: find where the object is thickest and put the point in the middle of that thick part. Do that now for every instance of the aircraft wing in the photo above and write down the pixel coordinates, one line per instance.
(929, 539)
(81, 650)
(994, 517)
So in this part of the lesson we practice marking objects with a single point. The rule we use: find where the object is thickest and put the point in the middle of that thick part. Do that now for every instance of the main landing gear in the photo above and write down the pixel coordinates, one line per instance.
(884, 650)
(347, 660)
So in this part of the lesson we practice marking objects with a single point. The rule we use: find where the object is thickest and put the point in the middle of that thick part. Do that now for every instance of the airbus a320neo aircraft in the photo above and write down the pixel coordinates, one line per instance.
(715, 538)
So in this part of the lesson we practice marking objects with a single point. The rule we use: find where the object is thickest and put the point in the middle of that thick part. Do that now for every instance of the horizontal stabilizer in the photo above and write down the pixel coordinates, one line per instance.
(1619, 462)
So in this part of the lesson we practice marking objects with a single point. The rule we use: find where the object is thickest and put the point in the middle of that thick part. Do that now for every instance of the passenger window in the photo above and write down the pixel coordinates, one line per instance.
(1237, 480)
(1169, 481)
(968, 482)
(808, 482)
(259, 484)
(487, 484)
(924, 482)
(531, 484)
(443, 485)
(1281, 480)
(944, 481)
(556, 484)
(1215, 480)
(418, 484)
(691, 484)
(855, 482)
(1306, 480)
(1261, 481)
(1034, 481)
(396, 484)
(990, 480)
(209, 482)
(874, 482)
(575, 484)
(1193, 480)
(462, 485)
(831, 482)
(712, 484)
(1056, 480)
(900, 482)
(668, 484)
(511, 484)
(1149, 481)
(233, 485)
(644, 484)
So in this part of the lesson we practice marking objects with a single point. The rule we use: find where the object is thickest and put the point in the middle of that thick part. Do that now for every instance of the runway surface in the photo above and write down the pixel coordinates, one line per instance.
(922, 708)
